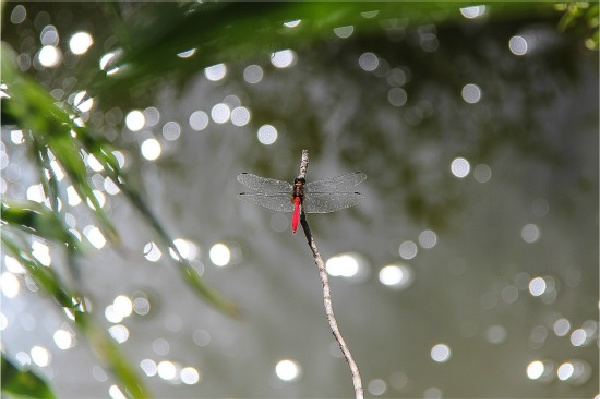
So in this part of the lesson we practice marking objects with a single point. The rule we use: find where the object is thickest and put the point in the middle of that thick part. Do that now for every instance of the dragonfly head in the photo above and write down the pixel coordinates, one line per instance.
(299, 180)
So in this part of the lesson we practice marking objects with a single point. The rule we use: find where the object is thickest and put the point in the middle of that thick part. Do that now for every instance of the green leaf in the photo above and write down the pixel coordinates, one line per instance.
(23, 383)
(52, 128)
(35, 218)
(104, 347)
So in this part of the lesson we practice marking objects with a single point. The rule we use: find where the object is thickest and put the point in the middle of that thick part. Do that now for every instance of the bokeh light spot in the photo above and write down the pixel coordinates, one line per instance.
(396, 276)
(50, 56)
(36, 193)
(496, 334)
(482, 173)
(537, 286)
(283, 59)
(472, 11)
(171, 131)
(220, 254)
(215, 72)
(166, 370)
(460, 167)
(441, 353)
(40, 356)
(427, 239)
(287, 370)
(161, 346)
(368, 61)
(41, 252)
(16, 136)
(115, 393)
(471, 93)
(576, 372)
(135, 120)
(23, 358)
(253, 74)
(189, 375)
(94, 236)
(535, 370)
(267, 134)
(18, 14)
(80, 42)
(377, 387)
(119, 332)
(149, 367)
(561, 327)
(13, 265)
(186, 248)
(123, 305)
(432, 393)
(107, 59)
(150, 149)
(201, 337)
(517, 45)
(220, 113)
(397, 97)
(509, 294)
(408, 250)
(343, 32)
(63, 339)
(112, 314)
(73, 196)
(93, 163)
(240, 116)
(292, 24)
(141, 305)
(9, 285)
(579, 337)
(151, 252)
(99, 374)
(530, 233)
(198, 120)
(187, 54)
(343, 265)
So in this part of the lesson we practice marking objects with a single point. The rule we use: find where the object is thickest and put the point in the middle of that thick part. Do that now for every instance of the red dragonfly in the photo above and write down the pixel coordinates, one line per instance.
(320, 196)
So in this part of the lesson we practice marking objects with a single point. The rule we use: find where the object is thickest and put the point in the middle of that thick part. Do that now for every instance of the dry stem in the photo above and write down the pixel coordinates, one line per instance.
(356, 381)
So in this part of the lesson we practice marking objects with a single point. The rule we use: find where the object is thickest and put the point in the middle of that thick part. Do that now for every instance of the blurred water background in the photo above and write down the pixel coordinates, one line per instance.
(470, 270)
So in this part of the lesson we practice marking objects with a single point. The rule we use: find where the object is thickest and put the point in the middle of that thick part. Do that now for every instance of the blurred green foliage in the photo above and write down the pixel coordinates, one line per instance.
(582, 16)
(23, 383)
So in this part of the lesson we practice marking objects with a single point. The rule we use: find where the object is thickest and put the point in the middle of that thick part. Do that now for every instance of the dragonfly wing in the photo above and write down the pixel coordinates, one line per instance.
(323, 202)
(279, 202)
(259, 183)
(339, 183)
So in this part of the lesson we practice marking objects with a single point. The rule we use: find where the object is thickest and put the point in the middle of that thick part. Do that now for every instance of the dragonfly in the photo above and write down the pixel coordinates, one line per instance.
(319, 196)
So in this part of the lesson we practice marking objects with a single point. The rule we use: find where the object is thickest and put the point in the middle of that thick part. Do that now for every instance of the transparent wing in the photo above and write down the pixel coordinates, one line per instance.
(330, 202)
(338, 183)
(259, 183)
(279, 202)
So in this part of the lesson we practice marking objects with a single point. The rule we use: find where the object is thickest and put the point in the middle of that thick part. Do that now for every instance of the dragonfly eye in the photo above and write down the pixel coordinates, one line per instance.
(299, 179)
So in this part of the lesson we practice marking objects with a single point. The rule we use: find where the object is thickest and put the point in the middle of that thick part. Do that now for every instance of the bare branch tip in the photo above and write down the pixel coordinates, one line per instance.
(303, 164)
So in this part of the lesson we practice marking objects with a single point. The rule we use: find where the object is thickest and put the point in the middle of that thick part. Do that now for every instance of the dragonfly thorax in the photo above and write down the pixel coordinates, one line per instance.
(298, 189)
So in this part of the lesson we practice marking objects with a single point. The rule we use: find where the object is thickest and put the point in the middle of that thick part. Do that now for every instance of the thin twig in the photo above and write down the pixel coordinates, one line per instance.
(356, 381)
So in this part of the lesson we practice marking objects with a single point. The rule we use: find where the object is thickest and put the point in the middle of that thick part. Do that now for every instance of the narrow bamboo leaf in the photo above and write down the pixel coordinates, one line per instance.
(43, 276)
(104, 347)
(23, 383)
(187, 271)
(31, 107)
(36, 219)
